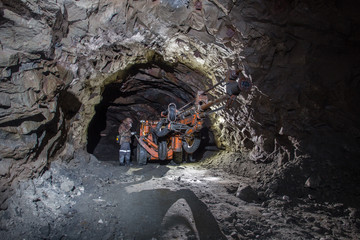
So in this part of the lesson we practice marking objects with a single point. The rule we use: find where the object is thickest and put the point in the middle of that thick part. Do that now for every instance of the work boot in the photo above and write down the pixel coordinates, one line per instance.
(129, 164)
(172, 163)
(191, 159)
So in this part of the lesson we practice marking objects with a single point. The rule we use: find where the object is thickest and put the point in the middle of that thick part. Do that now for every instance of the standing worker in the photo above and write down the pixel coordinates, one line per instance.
(236, 82)
(124, 141)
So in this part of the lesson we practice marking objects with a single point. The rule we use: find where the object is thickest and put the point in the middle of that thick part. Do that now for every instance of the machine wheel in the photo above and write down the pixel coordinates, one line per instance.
(159, 131)
(141, 155)
(155, 138)
(162, 150)
(172, 112)
(191, 146)
(178, 157)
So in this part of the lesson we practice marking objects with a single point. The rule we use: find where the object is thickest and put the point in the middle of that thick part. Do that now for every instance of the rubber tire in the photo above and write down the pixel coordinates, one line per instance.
(155, 138)
(141, 155)
(162, 150)
(172, 114)
(159, 132)
(178, 157)
(193, 147)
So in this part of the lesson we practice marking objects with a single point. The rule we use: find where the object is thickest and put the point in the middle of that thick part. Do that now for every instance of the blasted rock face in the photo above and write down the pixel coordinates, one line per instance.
(56, 57)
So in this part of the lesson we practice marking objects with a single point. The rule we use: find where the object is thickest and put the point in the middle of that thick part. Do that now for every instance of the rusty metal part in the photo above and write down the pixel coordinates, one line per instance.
(219, 100)
(208, 90)
(177, 130)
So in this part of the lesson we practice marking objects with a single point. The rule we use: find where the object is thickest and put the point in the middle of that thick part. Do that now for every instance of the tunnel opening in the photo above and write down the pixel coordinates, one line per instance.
(142, 94)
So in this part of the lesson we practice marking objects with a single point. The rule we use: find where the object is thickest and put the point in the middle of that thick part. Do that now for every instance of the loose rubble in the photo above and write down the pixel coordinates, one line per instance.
(91, 199)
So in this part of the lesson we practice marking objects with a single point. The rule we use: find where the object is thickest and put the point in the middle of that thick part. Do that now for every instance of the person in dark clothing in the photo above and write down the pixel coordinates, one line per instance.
(124, 141)
(236, 82)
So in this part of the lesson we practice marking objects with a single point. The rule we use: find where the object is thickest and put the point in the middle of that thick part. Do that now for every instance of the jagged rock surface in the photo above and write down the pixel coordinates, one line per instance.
(58, 56)
(185, 202)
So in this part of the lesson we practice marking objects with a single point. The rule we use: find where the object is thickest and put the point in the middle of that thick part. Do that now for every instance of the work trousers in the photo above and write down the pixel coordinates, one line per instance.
(124, 153)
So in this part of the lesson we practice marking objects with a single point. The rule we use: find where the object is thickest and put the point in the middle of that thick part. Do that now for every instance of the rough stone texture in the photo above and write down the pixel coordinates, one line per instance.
(178, 229)
(246, 193)
(155, 87)
(313, 182)
(56, 57)
(67, 186)
(161, 202)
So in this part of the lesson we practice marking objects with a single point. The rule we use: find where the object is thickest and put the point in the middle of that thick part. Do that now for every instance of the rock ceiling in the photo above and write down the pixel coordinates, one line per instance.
(59, 57)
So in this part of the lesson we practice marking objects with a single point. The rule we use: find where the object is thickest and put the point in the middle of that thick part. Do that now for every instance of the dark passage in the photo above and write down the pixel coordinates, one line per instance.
(145, 91)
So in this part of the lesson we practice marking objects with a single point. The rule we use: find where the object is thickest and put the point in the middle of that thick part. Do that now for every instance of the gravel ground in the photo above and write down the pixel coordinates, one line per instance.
(90, 199)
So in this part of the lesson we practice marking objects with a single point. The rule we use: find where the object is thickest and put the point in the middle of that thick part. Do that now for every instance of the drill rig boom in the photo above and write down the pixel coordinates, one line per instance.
(178, 129)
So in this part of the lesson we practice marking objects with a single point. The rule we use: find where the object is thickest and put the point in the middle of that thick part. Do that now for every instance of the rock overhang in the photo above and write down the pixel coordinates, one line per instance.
(141, 93)
(280, 47)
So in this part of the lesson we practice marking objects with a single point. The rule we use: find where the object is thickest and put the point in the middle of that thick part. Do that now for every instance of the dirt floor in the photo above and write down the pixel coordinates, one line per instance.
(91, 199)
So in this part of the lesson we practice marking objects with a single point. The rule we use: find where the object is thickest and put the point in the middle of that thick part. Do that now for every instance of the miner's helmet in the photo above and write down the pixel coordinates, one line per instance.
(235, 72)
(128, 120)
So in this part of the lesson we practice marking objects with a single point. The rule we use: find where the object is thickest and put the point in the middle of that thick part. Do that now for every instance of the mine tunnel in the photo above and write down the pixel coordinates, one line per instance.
(142, 94)
(278, 160)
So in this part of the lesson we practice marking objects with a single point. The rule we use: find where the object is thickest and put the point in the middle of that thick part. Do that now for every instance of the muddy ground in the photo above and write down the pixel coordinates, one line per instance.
(91, 199)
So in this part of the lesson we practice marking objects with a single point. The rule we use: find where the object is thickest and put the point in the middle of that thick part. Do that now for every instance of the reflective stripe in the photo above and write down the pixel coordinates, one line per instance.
(124, 150)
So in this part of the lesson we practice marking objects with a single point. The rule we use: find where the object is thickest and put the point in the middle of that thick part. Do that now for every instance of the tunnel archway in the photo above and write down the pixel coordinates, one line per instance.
(142, 94)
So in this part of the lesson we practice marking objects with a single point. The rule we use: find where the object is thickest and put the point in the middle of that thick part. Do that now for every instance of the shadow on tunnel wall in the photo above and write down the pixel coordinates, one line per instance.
(70, 106)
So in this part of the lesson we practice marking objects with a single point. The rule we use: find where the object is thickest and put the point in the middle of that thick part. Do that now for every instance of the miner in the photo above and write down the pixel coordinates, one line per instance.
(124, 141)
(236, 82)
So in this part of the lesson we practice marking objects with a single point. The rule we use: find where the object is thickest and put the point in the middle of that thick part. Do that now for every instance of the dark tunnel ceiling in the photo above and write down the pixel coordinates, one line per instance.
(144, 92)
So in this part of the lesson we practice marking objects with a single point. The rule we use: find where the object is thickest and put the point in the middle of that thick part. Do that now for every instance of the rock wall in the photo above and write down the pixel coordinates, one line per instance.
(57, 56)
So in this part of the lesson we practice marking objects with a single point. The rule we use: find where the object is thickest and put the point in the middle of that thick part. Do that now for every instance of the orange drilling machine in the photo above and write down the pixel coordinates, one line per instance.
(178, 129)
